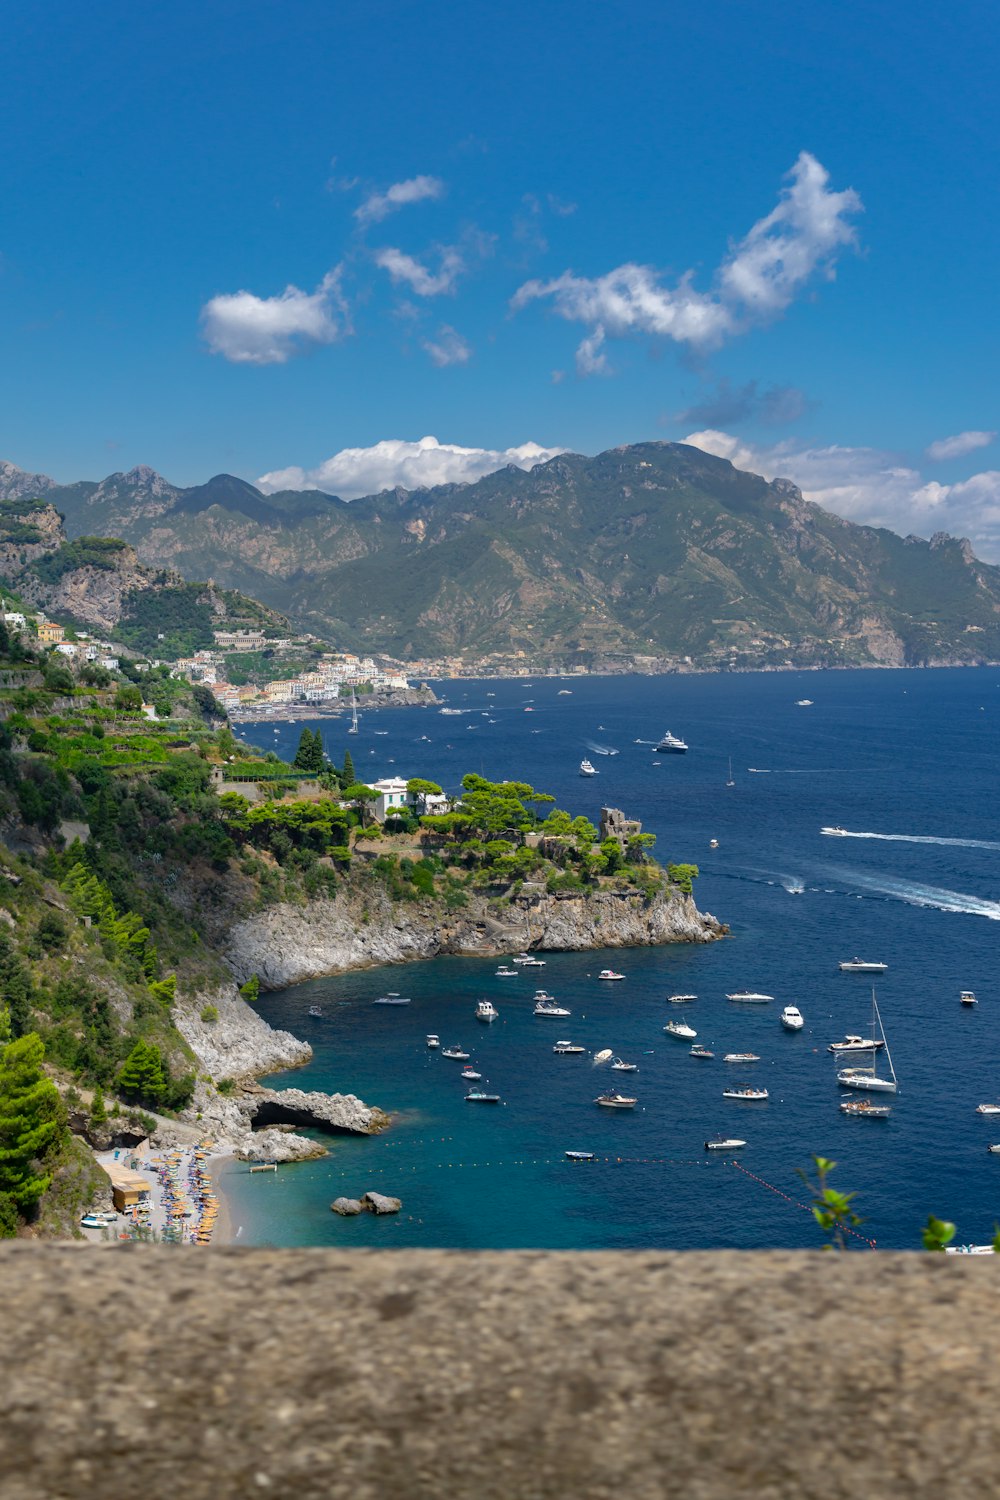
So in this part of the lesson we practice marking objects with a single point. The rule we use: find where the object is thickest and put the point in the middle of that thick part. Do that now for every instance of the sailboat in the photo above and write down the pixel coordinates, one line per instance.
(354, 714)
(730, 782)
(867, 1078)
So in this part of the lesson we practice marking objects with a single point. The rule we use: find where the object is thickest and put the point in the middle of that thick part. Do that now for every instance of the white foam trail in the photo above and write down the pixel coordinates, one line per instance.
(793, 884)
(930, 895)
(920, 838)
(596, 749)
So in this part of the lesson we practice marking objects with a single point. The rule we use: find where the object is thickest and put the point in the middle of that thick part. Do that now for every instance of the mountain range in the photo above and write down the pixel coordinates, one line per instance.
(654, 555)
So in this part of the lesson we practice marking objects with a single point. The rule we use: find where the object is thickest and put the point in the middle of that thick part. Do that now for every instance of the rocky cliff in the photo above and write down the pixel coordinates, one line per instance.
(286, 944)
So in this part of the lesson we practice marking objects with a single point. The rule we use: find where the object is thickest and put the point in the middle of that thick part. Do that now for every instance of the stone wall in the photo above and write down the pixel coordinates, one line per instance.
(323, 1375)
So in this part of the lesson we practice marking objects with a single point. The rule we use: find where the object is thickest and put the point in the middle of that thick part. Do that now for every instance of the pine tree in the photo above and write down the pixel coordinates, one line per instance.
(347, 776)
(98, 1109)
(29, 1120)
(15, 988)
(143, 1077)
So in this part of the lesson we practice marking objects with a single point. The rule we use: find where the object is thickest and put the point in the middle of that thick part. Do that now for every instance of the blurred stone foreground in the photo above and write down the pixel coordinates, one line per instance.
(153, 1371)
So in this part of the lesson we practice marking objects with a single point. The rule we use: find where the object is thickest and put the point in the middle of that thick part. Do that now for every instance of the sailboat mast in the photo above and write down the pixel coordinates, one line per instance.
(888, 1055)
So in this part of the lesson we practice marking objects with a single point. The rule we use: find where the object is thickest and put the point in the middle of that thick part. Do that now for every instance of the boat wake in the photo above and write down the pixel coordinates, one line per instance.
(920, 838)
(915, 894)
(596, 749)
(793, 884)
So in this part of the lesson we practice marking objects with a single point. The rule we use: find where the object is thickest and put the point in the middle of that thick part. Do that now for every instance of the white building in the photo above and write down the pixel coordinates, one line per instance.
(392, 797)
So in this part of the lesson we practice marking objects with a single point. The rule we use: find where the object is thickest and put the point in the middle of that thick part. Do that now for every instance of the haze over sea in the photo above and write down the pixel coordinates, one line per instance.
(905, 760)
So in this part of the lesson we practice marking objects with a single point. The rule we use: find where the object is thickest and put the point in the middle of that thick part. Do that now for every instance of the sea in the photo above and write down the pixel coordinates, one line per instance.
(906, 761)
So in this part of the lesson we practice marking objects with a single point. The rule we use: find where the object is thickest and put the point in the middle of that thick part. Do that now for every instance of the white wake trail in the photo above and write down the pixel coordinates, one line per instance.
(921, 838)
(934, 896)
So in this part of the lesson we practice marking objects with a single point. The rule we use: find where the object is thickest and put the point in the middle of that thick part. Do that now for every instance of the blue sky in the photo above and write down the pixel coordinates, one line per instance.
(428, 209)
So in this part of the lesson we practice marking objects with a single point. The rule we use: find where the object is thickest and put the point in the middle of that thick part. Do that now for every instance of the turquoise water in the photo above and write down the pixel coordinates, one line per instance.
(906, 760)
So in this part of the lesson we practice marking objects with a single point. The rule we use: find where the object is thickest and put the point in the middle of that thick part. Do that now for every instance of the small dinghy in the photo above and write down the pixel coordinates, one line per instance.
(619, 1065)
(751, 1094)
(699, 1051)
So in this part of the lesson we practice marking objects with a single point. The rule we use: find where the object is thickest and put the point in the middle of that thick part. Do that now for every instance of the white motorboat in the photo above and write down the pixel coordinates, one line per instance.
(835, 832)
(724, 1143)
(487, 1011)
(680, 999)
(699, 1051)
(681, 1029)
(864, 1109)
(994, 1149)
(315, 1011)
(605, 1055)
(803, 703)
(671, 745)
(505, 973)
(433, 1040)
(470, 1075)
(852, 1043)
(478, 1096)
(455, 1052)
(747, 1093)
(392, 999)
(618, 1065)
(579, 1156)
(969, 1250)
(528, 961)
(568, 1049)
(967, 997)
(546, 1006)
(749, 997)
(713, 843)
(988, 1109)
(792, 1018)
(741, 1057)
(610, 974)
(586, 769)
(867, 1078)
(730, 781)
(861, 966)
(620, 1101)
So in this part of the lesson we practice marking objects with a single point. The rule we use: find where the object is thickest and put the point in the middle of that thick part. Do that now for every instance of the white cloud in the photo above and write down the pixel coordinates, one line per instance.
(395, 461)
(872, 487)
(378, 206)
(413, 273)
(758, 279)
(247, 329)
(959, 445)
(449, 348)
(591, 358)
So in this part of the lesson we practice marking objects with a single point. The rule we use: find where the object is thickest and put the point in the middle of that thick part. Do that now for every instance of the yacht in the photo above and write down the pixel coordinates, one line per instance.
(865, 1109)
(477, 1096)
(671, 745)
(741, 1057)
(680, 999)
(455, 1052)
(625, 1101)
(699, 1051)
(610, 974)
(315, 1010)
(568, 1049)
(681, 1029)
(724, 1143)
(546, 1006)
(792, 1019)
(586, 769)
(867, 1078)
(505, 972)
(836, 832)
(988, 1109)
(749, 997)
(618, 1065)
(861, 966)
(745, 1093)
(487, 1011)
(392, 999)
(967, 997)
(994, 1149)
(852, 1043)
(433, 1040)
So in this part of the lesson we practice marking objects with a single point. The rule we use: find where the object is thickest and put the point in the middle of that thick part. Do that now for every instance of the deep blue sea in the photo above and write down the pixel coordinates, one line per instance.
(906, 760)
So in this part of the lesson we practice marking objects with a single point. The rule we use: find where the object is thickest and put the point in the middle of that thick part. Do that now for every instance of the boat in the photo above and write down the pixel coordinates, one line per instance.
(478, 1096)
(487, 1011)
(671, 745)
(836, 832)
(680, 999)
(624, 1101)
(792, 1018)
(579, 1156)
(724, 1143)
(745, 1093)
(713, 843)
(504, 972)
(867, 1078)
(749, 997)
(741, 1057)
(455, 1052)
(93, 1221)
(730, 781)
(967, 997)
(433, 1040)
(353, 729)
(988, 1109)
(994, 1149)
(803, 703)
(699, 1051)
(546, 1006)
(610, 974)
(568, 1049)
(969, 1250)
(861, 966)
(454, 712)
(471, 1075)
(565, 693)
(852, 1043)
(605, 1055)
(618, 1065)
(528, 961)
(392, 999)
(866, 1109)
(681, 1029)
(586, 769)
(315, 1010)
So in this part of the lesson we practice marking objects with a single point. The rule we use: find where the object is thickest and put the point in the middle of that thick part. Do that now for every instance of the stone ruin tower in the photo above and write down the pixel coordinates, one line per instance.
(615, 825)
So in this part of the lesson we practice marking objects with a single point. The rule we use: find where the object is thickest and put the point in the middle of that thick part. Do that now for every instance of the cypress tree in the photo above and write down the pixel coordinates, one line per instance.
(347, 776)
(29, 1120)
(319, 754)
(306, 751)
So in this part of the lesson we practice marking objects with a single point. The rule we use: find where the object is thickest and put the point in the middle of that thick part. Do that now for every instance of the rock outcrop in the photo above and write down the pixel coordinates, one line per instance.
(280, 1146)
(346, 1207)
(285, 944)
(239, 1043)
(338, 1113)
(380, 1203)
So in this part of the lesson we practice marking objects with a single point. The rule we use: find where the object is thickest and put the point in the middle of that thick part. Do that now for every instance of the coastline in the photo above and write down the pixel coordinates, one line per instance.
(220, 1168)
